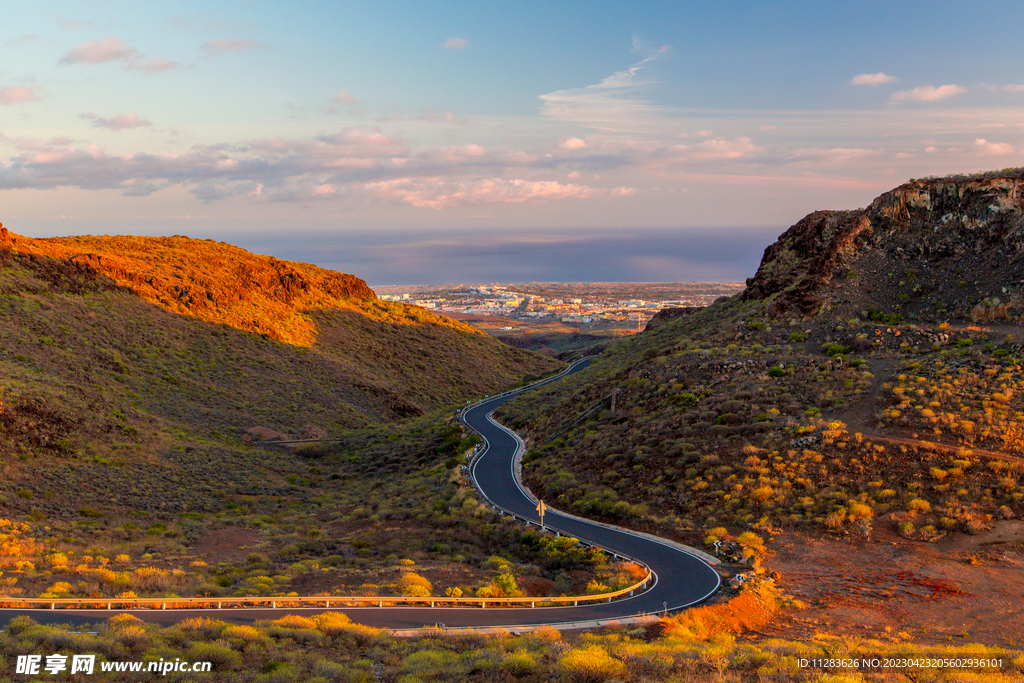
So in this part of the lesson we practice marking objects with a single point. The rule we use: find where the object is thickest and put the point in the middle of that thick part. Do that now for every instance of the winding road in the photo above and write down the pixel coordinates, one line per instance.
(681, 579)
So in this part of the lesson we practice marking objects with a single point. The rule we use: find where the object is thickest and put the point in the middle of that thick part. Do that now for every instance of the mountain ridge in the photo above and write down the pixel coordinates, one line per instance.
(950, 225)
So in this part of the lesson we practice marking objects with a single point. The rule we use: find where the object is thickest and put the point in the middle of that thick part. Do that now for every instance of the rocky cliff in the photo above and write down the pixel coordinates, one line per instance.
(937, 248)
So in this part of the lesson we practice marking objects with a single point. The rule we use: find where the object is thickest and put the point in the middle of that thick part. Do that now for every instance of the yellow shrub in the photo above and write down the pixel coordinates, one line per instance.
(246, 634)
(294, 621)
(414, 585)
(590, 664)
(331, 622)
(919, 505)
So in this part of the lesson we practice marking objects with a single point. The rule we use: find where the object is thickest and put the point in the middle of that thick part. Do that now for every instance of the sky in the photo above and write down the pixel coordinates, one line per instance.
(415, 142)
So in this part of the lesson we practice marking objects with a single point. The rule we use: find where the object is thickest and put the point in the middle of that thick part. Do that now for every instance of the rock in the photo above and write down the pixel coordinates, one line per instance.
(312, 432)
(667, 314)
(255, 434)
(900, 244)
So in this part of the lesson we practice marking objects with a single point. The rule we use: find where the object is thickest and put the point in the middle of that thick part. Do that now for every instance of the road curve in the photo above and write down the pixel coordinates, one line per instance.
(680, 579)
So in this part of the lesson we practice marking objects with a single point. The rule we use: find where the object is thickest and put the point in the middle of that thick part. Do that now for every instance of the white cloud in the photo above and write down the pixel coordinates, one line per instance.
(157, 65)
(455, 44)
(1013, 88)
(214, 48)
(23, 40)
(573, 144)
(873, 79)
(72, 24)
(119, 122)
(17, 94)
(987, 147)
(927, 93)
(610, 104)
(344, 97)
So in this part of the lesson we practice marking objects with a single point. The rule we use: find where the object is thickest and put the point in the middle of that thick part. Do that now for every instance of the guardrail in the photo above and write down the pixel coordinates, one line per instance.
(307, 601)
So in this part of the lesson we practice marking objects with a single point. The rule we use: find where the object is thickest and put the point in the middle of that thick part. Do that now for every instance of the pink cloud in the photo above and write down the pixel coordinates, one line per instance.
(987, 147)
(441, 193)
(213, 48)
(455, 44)
(110, 49)
(17, 94)
(832, 154)
(457, 153)
(119, 122)
(573, 144)
(873, 79)
(927, 93)
(716, 149)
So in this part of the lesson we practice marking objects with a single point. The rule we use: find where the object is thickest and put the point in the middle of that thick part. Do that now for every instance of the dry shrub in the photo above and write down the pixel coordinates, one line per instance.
(294, 621)
(414, 585)
(242, 634)
(546, 634)
(331, 623)
(751, 609)
(203, 628)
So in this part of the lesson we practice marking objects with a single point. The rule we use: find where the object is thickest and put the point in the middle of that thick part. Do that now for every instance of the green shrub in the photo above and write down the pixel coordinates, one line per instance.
(590, 664)
(221, 656)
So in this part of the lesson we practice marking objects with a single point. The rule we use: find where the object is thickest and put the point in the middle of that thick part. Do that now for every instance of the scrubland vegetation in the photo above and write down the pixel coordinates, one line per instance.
(703, 644)
(748, 433)
(856, 389)
(124, 466)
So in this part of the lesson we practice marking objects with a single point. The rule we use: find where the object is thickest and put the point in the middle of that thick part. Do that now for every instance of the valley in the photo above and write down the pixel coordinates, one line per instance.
(844, 433)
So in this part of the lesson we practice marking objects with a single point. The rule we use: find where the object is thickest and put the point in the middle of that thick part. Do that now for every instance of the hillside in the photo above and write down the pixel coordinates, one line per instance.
(350, 358)
(867, 385)
(128, 401)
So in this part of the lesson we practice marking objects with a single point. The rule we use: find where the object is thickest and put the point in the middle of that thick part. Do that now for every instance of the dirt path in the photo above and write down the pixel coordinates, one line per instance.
(860, 416)
(944, 447)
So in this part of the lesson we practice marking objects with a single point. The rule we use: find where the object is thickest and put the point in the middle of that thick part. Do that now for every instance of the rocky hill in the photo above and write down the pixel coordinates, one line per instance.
(199, 328)
(934, 249)
(869, 379)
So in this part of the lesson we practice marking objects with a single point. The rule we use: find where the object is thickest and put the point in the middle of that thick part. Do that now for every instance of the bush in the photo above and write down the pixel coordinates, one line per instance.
(414, 585)
(519, 664)
(832, 350)
(919, 505)
(776, 372)
(590, 664)
(221, 656)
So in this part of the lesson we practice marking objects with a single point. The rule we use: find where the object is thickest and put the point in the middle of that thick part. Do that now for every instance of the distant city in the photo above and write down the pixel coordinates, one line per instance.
(605, 305)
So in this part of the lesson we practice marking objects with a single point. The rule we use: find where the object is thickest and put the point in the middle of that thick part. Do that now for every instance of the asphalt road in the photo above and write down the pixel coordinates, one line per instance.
(680, 579)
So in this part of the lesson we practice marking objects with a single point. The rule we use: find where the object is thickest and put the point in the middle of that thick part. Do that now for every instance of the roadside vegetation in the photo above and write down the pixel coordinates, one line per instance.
(128, 463)
(735, 424)
(703, 644)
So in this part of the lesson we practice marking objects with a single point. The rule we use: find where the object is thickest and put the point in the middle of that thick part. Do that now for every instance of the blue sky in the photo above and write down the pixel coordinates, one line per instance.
(320, 127)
